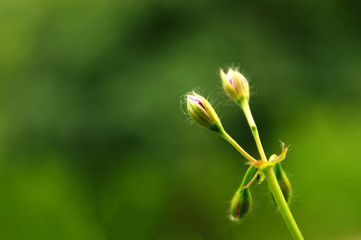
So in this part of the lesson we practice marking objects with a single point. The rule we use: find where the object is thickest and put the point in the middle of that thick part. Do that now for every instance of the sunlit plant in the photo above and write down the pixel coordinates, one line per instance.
(237, 88)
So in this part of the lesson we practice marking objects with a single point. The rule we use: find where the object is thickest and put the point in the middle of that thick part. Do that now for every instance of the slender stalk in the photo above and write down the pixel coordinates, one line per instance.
(282, 204)
(229, 139)
(252, 124)
(272, 180)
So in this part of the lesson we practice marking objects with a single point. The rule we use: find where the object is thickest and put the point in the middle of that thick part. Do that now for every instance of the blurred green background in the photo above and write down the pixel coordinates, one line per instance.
(94, 143)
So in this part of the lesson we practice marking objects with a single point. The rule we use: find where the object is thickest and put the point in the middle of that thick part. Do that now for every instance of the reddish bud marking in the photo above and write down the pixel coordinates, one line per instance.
(197, 100)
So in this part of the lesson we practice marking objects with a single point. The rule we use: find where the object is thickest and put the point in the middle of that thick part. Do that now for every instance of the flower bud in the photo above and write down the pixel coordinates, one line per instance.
(235, 85)
(241, 204)
(242, 200)
(283, 181)
(202, 112)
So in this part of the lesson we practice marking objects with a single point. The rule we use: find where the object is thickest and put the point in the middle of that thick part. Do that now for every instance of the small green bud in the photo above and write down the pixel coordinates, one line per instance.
(202, 112)
(283, 181)
(235, 85)
(241, 204)
(242, 200)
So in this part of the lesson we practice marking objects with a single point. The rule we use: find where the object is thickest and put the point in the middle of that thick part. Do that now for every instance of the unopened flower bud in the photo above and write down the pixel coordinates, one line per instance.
(241, 204)
(235, 85)
(283, 181)
(242, 200)
(202, 112)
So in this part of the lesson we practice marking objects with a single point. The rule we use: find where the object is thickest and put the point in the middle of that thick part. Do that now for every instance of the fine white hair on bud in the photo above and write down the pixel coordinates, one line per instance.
(235, 85)
(202, 112)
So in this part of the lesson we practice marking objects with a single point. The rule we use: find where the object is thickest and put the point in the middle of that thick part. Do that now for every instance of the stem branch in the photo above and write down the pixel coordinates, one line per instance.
(252, 124)
(229, 139)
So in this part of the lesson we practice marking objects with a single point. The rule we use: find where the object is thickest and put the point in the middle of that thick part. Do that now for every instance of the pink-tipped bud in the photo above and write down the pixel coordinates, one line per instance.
(235, 85)
(202, 112)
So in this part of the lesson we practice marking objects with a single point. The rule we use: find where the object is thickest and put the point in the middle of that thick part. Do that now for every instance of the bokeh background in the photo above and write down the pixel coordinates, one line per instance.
(94, 143)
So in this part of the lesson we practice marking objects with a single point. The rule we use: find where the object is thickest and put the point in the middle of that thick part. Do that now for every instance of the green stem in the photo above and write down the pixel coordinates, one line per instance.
(247, 111)
(229, 139)
(271, 178)
(282, 204)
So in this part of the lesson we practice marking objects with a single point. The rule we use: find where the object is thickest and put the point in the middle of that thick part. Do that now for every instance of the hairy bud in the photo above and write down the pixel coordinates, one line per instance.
(283, 181)
(202, 112)
(235, 85)
(241, 204)
(242, 200)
